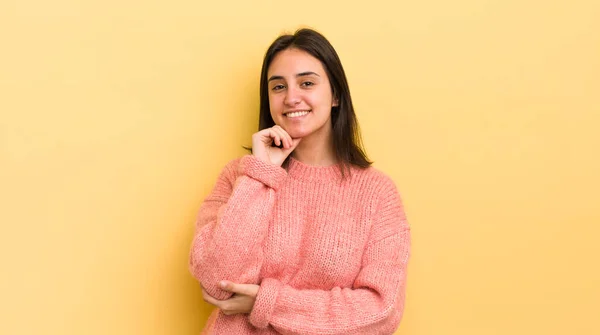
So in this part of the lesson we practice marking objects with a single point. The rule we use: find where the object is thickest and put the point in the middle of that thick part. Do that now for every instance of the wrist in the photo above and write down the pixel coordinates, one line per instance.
(268, 173)
(265, 301)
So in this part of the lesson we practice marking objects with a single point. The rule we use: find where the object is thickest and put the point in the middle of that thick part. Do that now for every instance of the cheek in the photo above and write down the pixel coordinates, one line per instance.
(323, 99)
(275, 103)
(321, 105)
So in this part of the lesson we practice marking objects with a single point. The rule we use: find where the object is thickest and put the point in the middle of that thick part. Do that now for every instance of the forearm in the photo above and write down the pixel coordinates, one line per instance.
(346, 311)
(229, 247)
(232, 223)
(373, 305)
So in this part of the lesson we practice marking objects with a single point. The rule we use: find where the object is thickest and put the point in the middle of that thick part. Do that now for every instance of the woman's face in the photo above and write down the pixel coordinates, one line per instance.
(300, 96)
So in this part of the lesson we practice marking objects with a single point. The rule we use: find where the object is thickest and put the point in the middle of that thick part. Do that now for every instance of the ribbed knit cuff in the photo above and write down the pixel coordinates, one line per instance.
(267, 173)
(265, 303)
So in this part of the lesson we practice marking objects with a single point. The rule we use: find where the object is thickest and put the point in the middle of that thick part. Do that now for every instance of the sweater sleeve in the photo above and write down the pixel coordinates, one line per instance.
(373, 305)
(232, 223)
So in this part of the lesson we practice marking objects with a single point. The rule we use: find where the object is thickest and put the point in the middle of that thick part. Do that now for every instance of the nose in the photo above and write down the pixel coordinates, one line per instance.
(292, 97)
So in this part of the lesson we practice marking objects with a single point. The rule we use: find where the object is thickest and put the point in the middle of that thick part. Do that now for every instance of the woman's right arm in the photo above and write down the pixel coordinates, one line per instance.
(232, 224)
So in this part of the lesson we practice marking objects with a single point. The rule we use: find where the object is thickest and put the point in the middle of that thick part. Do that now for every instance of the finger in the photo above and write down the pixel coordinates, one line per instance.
(295, 143)
(266, 136)
(286, 135)
(209, 299)
(275, 136)
(283, 135)
(229, 308)
(263, 134)
(226, 285)
(235, 288)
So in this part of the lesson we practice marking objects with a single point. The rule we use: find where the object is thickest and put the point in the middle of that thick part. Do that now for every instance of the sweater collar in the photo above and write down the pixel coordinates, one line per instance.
(298, 170)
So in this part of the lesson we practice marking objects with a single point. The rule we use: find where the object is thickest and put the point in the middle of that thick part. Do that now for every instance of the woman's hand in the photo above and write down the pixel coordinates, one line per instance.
(263, 149)
(241, 302)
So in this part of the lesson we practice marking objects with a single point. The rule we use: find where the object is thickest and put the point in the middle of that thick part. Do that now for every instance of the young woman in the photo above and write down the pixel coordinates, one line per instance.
(303, 236)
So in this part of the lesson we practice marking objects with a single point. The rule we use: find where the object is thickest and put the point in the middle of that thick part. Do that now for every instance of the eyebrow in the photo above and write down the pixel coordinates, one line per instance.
(301, 74)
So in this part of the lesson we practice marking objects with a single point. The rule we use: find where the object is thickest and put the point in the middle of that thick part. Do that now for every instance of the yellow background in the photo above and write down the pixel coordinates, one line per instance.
(116, 117)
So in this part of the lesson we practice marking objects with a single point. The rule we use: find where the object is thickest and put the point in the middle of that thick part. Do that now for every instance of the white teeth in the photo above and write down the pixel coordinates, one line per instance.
(297, 114)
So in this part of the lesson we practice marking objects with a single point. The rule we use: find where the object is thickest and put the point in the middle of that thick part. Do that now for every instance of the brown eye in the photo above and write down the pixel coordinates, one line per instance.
(277, 87)
(307, 83)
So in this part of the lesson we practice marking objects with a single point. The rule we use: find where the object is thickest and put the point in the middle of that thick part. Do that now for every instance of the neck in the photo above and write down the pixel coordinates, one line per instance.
(316, 150)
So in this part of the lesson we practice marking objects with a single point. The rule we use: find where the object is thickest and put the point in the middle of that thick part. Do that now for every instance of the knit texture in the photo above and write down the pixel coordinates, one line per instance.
(329, 254)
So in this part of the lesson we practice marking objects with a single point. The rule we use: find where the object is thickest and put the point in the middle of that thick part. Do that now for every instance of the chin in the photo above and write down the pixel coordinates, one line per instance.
(298, 133)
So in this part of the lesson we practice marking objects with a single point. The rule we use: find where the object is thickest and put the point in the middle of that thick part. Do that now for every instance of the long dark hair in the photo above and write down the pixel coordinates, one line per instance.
(347, 140)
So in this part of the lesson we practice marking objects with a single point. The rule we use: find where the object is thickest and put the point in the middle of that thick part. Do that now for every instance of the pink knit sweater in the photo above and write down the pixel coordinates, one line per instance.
(330, 255)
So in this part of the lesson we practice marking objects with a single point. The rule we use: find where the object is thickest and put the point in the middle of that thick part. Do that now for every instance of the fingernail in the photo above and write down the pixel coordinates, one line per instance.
(223, 284)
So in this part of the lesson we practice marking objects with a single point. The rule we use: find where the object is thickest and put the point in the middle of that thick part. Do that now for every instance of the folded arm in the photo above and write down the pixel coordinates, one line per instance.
(373, 305)
(232, 223)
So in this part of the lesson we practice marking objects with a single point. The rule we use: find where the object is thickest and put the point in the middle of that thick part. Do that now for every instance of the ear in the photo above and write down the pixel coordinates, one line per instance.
(335, 103)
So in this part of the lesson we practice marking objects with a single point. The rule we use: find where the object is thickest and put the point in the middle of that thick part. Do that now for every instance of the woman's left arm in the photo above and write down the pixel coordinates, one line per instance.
(373, 305)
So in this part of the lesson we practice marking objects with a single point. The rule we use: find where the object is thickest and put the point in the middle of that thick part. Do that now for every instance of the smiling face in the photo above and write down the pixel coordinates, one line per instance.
(300, 97)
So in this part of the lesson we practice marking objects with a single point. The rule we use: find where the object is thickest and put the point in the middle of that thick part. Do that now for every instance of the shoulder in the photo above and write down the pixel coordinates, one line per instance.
(386, 203)
(233, 165)
(376, 188)
(374, 179)
(230, 171)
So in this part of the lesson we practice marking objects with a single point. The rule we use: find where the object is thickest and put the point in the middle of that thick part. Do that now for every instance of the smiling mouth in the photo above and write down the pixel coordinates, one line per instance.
(297, 114)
